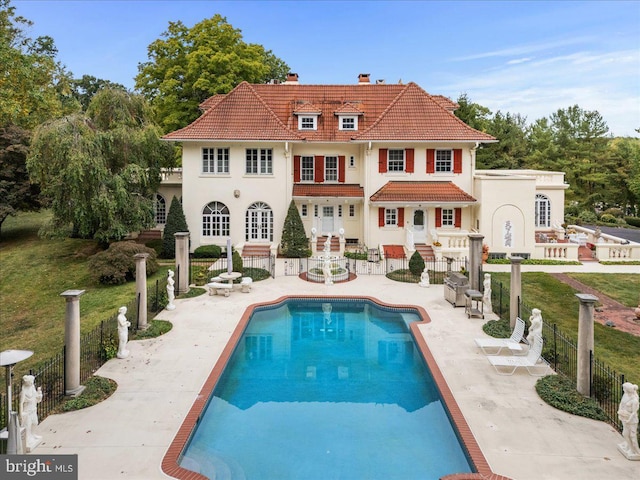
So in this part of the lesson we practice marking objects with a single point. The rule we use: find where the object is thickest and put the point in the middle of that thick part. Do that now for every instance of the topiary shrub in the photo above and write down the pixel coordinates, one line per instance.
(116, 265)
(176, 222)
(294, 243)
(633, 221)
(608, 218)
(207, 251)
(416, 263)
(236, 261)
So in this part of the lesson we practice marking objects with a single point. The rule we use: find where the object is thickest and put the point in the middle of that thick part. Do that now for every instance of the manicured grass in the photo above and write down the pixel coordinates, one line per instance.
(34, 273)
(559, 305)
(622, 287)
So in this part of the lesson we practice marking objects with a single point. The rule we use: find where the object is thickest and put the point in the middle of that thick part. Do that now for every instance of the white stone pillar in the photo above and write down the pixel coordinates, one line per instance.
(182, 261)
(585, 342)
(72, 343)
(141, 288)
(475, 260)
(515, 290)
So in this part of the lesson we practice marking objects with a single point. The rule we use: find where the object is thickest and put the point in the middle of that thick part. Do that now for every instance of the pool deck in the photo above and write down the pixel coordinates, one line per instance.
(521, 437)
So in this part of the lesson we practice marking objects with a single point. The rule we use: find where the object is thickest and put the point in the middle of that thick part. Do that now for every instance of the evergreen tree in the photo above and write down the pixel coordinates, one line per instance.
(416, 264)
(176, 222)
(294, 242)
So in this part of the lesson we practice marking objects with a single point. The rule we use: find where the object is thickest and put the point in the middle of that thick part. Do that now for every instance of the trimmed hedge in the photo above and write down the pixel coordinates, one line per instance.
(207, 251)
(633, 221)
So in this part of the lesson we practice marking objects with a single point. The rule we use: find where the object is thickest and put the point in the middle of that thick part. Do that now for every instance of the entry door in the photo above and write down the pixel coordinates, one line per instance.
(419, 227)
(259, 222)
(327, 220)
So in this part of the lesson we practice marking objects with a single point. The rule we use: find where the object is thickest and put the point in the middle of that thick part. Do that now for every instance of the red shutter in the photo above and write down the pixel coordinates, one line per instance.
(438, 217)
(431, 160)
(458, 218)
(381, 217)
(382, 160)
(409, 155)
(457, 160)
(319, 169)
(401, 217)
(296, 168)
(341, 163)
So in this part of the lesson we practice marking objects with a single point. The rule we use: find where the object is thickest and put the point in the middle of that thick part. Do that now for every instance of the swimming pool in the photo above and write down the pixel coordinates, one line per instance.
(324, 388)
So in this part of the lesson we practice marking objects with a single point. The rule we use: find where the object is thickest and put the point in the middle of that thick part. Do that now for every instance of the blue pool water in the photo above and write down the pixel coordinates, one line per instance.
(326, 389)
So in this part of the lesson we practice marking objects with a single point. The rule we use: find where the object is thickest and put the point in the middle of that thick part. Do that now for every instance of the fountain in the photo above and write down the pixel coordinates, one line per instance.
(326, 268)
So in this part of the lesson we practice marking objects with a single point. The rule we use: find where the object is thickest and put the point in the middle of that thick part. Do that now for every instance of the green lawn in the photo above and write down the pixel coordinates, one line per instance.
(33, 274)
(559, 305)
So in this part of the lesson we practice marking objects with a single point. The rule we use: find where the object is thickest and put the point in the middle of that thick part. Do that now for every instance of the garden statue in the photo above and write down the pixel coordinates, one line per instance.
(326, 270)
(170, 290)
(628, 415)
(28, 410)
(327, 247)
(123, 333)
(486, 295)
(424, 278)
(536, 325)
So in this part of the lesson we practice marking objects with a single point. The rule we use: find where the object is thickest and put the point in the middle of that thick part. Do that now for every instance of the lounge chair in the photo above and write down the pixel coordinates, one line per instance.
(508, 364)
(493, 346)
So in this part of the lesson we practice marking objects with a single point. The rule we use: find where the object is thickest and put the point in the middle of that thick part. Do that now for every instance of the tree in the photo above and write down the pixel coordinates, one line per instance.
(83, 89)
(511, 148)
(294, 243)
(33, 86)
(100, 171)
(16, 191)
(189, 65)
(176, 222)
(416, 264)
(473, 114)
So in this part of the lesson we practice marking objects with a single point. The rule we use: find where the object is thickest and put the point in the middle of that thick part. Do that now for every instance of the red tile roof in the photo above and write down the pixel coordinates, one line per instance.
(435, 192)
(328, 190)
(307, 107)
(387, 112)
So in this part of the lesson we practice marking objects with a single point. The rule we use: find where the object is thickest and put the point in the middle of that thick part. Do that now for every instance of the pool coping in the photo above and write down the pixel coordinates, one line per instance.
(171, 467)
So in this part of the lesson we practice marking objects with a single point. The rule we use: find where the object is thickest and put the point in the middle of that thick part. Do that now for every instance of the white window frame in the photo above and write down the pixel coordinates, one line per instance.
(348, 122)
(259, 161)
(352, 161)
(307, 122)
(307, 174)
(542, 211)
(448, 217)
(216, 220)
(339, 211)
(390, 217)
(215, 161)
(399, 165)
(352, 210)
(331, 168)
(315, 210)
(443, 165)
(304, 211)
(160, 209)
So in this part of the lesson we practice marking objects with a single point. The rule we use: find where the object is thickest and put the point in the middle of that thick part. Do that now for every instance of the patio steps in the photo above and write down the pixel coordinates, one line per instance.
(256, 250)
(585, 254)
(426, 252)
(335, 243)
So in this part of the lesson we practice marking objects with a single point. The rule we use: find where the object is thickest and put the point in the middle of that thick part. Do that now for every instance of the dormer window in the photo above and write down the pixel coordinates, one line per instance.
(348, 122)
(307, 122)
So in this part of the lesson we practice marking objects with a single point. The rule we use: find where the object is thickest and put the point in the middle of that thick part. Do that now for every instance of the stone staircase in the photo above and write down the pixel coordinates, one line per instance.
(585, 254)
(147, 235)
(426, 252)
(256, 250)
(335, 243)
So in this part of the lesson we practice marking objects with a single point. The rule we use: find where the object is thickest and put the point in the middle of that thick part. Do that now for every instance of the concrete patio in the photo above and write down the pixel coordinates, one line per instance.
(521, 437)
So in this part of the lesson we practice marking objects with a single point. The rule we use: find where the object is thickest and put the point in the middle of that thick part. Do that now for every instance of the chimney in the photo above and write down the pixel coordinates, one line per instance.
(363, 79)
(292, 79)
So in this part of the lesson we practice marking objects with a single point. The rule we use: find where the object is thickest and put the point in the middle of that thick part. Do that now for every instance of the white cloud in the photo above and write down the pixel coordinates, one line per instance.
(524, 49)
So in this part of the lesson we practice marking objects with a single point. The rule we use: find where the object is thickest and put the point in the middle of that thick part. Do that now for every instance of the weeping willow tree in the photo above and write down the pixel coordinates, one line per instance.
(99, 171)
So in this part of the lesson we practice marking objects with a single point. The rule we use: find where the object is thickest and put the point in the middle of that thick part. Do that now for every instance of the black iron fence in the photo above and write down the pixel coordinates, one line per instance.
(561, 352)
(366, 263)
(96, 347)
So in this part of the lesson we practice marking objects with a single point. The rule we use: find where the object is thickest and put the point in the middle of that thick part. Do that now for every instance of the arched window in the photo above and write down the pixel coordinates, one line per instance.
(215, 220)
(161, 209)
(259, 223)
(543, 211)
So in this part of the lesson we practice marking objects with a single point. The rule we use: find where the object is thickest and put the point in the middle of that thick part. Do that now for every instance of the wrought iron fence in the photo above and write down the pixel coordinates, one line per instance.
(561, 352)
(96, 347)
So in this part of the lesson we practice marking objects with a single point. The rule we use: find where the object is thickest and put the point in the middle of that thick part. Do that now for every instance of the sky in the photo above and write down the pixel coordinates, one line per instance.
(527, 58)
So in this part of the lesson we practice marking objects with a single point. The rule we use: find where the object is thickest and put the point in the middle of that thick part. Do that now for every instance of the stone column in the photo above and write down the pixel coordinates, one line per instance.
(475, 260)
(515, 288)
(72, 343)
(141, 288)
(182, 260)
(585, 341)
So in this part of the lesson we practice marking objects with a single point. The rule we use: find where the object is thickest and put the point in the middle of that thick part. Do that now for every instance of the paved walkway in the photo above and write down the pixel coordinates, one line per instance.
(523, 438)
